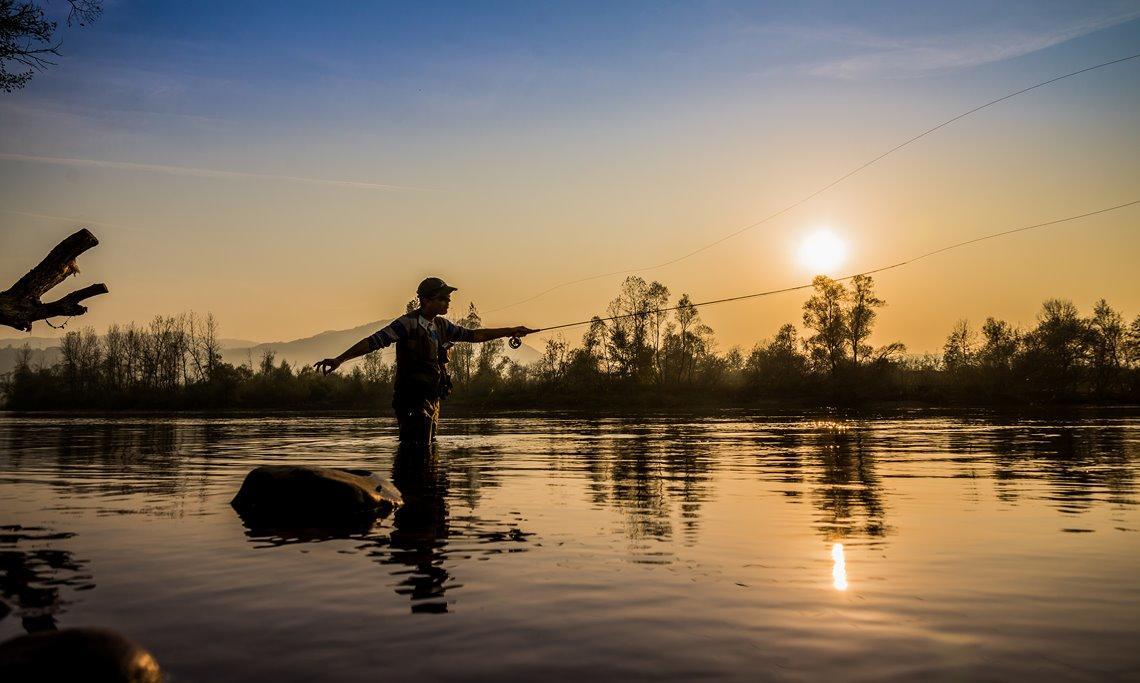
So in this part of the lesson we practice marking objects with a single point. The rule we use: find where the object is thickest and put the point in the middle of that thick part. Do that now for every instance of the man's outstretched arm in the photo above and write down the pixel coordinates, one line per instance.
(383, 338)
(489, 333)
(395, 331)
(355, 351)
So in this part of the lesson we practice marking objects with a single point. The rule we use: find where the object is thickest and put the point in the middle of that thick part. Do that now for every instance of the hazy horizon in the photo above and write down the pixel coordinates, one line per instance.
(300, 169)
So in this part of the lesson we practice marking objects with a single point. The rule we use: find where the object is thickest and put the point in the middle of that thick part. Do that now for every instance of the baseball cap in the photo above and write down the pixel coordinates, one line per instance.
(432, 287)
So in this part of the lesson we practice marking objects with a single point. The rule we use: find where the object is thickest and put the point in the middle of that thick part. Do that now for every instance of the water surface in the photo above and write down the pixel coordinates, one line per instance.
(795, 547)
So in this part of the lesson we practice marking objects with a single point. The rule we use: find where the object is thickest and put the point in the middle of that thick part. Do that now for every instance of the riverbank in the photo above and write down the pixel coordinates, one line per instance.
(756, 408)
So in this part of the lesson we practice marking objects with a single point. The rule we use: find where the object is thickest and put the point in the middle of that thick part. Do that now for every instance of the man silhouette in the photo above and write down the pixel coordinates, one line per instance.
(422, 338)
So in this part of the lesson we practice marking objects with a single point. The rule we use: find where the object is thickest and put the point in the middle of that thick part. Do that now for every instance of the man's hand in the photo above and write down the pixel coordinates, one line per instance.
(327, 365)
(521, 331)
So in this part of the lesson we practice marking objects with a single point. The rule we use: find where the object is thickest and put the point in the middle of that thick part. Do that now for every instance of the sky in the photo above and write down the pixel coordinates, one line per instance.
(299, 167)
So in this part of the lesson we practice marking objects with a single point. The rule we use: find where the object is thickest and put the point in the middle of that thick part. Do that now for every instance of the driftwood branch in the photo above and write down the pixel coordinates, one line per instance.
(20, 305)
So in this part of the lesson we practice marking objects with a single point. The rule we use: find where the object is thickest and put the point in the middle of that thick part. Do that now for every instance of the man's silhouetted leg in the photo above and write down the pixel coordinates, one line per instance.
(417, 419)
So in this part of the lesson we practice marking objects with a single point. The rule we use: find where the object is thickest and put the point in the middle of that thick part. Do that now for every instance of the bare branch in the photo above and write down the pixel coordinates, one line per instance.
(56, 266)
(20, 305)
(25, 36)
(83, 12)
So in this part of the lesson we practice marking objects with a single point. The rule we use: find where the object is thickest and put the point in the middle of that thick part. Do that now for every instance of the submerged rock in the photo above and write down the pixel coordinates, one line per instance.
(296, 493)
(77, 654)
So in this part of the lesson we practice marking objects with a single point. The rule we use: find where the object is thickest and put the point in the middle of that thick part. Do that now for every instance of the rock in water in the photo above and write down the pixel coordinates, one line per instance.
(77, 654)
(287, 492)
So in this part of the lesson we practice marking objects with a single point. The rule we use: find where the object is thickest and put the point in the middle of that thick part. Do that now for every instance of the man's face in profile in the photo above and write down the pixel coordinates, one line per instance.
(438, 305)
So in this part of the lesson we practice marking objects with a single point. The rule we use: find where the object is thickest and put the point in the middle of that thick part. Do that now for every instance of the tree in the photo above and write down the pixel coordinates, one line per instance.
(81, 355)
(692, 342)
(999, 346)
(26, 38)
(1056, 348)
(376, 371)
(211, 347)
(1132, 343)
(777, 364)
(114, 358)
(734, 361)
(861, 315)
(552, 364)
(889, 353)
(633, 310)
(958, 352)
(463, 353)
(1107, 339)
(687, 317)
(489, 361)
(656, 298)
(267, 365)
(825, 316)
(594, 343)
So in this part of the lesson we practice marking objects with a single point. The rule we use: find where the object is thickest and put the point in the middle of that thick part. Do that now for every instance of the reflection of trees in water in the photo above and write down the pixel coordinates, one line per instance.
(781, 457)
(836, 462)
(971, 446)
(34, 575)
(111, 459)
(1083, 464)
(647, 472)
(651, 472)
(636, 475)
(847, 490)
(468, 472)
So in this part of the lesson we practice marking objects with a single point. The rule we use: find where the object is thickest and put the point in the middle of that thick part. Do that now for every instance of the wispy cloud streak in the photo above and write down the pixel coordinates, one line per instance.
(918, 56)
(68, 219)
(204, 172)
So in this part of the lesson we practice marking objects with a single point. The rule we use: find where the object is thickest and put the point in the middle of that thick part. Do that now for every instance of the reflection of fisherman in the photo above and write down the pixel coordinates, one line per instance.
(420, 527)
(422, 338)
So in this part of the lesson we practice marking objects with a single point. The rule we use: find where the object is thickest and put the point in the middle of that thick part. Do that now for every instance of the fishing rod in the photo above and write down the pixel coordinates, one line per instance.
(826, 187)
(516, 342)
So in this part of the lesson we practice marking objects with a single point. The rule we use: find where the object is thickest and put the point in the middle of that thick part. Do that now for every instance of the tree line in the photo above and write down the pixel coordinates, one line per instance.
(639, 354)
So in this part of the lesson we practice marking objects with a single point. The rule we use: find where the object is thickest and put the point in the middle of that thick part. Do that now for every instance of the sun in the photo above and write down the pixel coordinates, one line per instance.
(822, 251)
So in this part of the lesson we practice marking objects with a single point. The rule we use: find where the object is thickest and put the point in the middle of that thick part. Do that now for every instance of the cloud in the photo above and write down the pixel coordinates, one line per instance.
(69, 219)
(885, 57)
(204, 172)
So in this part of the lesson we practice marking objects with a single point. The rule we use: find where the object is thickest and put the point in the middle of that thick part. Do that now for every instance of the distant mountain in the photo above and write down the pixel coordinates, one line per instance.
(50, 342)
(10, 356)
(236, 343)
(327, 344)
(31, 342)
(44, 351)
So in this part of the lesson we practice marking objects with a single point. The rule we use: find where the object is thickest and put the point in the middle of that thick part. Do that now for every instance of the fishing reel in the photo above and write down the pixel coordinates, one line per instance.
(514, 342)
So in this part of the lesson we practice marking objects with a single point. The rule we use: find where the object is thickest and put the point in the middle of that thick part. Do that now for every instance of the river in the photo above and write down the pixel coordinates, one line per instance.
(807, 546)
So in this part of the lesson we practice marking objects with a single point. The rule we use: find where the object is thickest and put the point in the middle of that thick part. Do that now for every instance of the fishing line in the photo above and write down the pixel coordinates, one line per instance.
(823, 189)
(770, 292)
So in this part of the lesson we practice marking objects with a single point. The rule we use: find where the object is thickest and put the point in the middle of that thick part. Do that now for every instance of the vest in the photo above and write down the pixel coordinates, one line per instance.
(421, 370)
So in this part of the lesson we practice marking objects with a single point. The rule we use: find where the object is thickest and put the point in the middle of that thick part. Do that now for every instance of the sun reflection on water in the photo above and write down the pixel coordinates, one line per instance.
(839, 568)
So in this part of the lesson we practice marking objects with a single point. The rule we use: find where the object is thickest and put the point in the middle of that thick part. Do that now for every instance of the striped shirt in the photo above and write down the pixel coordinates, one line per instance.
(401, 327)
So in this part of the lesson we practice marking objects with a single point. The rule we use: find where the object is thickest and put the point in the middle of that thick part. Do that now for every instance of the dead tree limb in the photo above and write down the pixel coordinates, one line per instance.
(20, 305)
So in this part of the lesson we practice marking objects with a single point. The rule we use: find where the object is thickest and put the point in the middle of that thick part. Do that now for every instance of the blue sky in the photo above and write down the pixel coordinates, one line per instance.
(226, 68)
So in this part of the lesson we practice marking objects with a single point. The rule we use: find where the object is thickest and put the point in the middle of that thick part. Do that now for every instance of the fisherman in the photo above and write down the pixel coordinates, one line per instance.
(422, 338)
